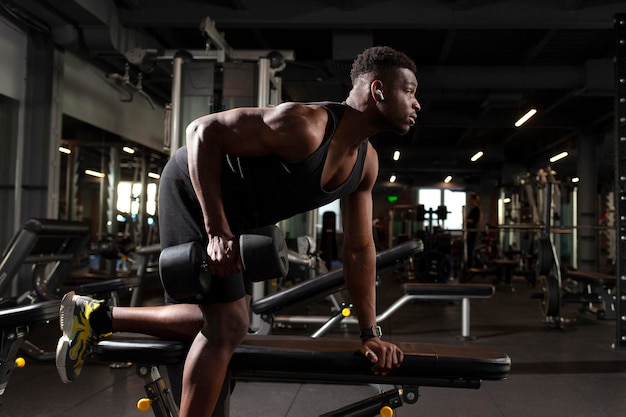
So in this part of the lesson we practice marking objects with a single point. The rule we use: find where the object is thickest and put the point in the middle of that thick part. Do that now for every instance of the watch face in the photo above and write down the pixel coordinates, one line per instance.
(374, 331)
(378, 332)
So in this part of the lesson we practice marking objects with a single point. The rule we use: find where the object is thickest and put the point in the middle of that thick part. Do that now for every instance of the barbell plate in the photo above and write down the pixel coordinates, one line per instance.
(551, 301)
(545, 260)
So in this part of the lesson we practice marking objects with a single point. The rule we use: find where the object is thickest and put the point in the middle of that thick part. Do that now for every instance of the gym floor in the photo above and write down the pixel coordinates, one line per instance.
(573, 371)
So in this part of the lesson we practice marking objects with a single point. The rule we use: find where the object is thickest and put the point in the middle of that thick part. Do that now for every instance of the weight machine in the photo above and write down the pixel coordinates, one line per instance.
(194, 73)
(559, 284)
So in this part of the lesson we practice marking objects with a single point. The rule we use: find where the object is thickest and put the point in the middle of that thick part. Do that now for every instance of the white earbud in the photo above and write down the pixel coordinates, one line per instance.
(379, 94)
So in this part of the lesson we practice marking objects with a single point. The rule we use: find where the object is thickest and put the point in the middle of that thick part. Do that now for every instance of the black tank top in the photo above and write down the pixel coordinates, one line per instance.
(261, 191)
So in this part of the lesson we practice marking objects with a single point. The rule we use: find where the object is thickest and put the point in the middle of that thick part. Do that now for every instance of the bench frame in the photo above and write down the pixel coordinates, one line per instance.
(296, 359)
(412, 292)
(449, 292)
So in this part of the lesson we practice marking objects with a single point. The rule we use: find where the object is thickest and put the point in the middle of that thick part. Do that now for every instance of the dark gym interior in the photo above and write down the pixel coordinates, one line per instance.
(520, 312)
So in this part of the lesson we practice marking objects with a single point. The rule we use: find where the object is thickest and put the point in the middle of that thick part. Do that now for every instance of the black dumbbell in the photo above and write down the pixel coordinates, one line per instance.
(184, 268)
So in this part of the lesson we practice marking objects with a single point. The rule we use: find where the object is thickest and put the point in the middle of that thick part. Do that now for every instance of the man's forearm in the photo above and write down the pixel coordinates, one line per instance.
(360, 276)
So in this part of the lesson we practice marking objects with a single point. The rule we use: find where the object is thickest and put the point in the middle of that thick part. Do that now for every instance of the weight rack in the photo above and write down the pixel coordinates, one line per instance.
(620, 176)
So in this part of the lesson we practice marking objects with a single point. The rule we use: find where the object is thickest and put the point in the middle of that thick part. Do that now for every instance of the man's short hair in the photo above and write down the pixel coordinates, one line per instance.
(378, 59)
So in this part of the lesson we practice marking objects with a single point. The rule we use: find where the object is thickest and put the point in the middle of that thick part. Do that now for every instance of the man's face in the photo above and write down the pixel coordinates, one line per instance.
(400, 105)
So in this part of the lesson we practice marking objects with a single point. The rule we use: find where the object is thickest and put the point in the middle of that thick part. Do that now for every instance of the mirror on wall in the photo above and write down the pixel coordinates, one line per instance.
(109, 182)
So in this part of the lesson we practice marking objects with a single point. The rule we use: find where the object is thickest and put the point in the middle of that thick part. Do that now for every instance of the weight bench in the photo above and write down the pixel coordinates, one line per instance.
(434, 291)
(447, 292)
(325, 285)
(597, 287)
(15, 323)
(305, 360)
(33, 265)
(504, 271)
(49, 247)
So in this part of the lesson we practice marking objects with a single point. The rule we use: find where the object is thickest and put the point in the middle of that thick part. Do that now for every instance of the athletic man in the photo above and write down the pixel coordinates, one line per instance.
(250, 167)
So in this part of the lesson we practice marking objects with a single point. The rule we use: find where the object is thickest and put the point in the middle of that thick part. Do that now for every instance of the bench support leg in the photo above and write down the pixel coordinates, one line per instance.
(160, 395)
(465, 320)
(12, 339)
(369, 407)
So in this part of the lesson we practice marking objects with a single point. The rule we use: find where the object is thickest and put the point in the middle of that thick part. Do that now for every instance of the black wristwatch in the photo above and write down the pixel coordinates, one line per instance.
(374, 331)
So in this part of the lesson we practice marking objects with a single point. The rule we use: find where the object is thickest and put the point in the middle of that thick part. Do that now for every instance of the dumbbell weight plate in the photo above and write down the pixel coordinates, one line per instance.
(264, 254)
(183, 270)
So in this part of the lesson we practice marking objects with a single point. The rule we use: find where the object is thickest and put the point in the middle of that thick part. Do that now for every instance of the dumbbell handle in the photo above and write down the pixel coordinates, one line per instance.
(264, 257)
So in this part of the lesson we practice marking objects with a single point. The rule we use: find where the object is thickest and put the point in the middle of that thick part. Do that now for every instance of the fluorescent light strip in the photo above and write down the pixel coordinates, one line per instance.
(575, 179)
(393, 178)
(448, 179)
(396, 155)
(525, 117)
(154, 175)
(128, 149)
(94, 173)
(558, 156)
(65, 150)
(477, 156)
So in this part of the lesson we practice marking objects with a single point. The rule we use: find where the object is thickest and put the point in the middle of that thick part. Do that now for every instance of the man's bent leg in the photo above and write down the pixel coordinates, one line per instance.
(225, 326)
(174, 321)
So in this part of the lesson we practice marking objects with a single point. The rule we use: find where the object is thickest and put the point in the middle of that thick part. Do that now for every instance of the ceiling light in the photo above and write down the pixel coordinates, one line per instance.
(525, 117)
(128, 149)
(154, 175)
(506, 200)
(477, 156)
(448, 179)
(63, 149)
(558, 156)
(393, 178)
(396, 155)
(575, 179)
(94, 173)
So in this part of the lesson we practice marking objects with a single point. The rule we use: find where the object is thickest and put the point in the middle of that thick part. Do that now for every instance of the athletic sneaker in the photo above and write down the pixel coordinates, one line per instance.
(78, 336)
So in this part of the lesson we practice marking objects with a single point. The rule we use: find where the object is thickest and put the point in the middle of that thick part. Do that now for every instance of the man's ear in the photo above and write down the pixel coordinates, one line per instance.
(377, 90)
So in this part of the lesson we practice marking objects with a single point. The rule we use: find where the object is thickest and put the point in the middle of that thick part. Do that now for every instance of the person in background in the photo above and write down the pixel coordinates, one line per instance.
(472, 221)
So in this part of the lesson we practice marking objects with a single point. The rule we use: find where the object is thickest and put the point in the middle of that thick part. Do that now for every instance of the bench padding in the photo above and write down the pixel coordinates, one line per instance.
(325, 360)
(449, 290)
(29, 314)
(592, 277)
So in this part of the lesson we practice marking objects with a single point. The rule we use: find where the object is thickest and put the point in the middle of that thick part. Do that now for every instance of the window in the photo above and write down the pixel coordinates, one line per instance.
(128, 195)
(454, 201)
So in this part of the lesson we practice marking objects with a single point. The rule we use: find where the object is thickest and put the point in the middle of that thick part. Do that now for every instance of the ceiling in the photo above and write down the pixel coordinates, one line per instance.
(481, 65)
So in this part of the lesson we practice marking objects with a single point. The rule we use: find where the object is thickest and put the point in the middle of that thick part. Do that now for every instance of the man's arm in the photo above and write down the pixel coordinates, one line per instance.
(359, 257)
(287, 130)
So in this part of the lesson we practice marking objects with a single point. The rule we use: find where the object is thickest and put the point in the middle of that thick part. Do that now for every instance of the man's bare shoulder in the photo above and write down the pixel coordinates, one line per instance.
(290, 116)
(293, 109)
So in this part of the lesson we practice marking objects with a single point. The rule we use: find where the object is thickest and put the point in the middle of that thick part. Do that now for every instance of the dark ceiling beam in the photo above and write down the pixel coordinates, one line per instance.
(516, 77)
(538, 48)
(447, 45)
(597, 73)
(392, 14)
